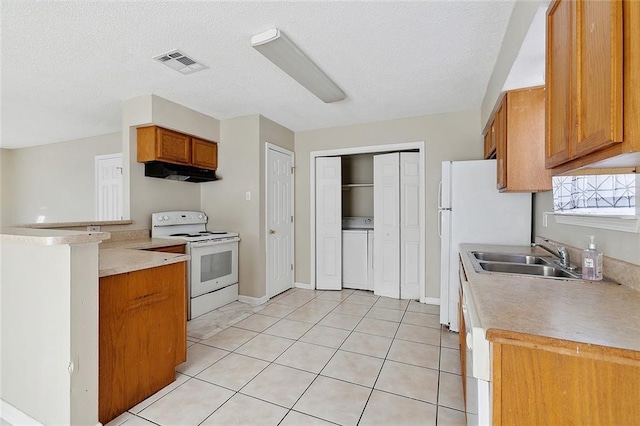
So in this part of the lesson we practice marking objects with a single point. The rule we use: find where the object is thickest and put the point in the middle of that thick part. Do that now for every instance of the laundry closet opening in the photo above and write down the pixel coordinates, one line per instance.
(368, 219)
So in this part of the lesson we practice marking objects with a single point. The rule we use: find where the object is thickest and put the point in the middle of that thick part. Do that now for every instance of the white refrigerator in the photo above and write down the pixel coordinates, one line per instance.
(471, 210)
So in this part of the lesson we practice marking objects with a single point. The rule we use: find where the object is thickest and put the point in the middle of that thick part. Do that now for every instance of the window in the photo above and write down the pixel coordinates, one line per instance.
(605, 194)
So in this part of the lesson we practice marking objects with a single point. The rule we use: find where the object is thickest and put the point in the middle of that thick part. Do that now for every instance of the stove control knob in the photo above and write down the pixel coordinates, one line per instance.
(201, 216)
(165, 217)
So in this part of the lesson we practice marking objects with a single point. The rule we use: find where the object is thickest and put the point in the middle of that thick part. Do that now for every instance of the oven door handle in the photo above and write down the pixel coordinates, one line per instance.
(196, 244)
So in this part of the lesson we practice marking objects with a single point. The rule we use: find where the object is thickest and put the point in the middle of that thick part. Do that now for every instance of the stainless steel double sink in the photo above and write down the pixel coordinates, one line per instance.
(521, 264)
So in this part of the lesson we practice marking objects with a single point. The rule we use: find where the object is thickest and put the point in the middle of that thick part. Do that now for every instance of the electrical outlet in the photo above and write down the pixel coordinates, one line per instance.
(247, 195)
(93, 228)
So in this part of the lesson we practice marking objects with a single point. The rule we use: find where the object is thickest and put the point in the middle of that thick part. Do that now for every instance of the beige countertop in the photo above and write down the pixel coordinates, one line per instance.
(119, 257)
(594, 313)
(76, 224)
(51, 237)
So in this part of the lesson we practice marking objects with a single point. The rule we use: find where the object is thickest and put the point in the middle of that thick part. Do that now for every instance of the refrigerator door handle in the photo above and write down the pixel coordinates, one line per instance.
(440, 224)
(440, 195)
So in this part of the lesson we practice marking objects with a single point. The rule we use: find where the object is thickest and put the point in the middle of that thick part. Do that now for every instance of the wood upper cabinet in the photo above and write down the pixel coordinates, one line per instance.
(172, 146)
(499, 129)
(205, 154)
(490, 143)
(517, 128)
(558, 77)
(593, 92)
(141, 336)
(158, 144)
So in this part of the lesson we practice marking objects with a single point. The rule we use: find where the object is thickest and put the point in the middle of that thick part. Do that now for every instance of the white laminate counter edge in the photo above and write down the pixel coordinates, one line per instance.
(75, 224)
(50, 237)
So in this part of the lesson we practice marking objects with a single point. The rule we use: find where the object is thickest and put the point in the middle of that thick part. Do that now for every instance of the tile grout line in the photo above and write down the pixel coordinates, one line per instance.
(373, 386)
(312, 325)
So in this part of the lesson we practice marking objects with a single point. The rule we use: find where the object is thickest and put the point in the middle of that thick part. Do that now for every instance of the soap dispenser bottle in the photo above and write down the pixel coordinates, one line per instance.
(592, 262)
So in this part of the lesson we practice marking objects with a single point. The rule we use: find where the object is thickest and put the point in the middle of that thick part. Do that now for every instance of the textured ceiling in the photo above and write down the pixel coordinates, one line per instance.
(67, 66)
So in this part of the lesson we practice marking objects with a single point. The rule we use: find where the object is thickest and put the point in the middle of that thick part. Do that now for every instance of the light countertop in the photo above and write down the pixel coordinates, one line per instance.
(594, 313)
(76, 224)
(119, 257)
(51, 237)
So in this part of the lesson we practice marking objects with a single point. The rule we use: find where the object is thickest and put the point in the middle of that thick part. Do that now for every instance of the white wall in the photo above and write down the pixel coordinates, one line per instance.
(6, 190)
(519, 23)
(224, 201)
(56, 181)
(145, 195)
(49, 318)
(619, 245)
(241, 157)
(451, 136)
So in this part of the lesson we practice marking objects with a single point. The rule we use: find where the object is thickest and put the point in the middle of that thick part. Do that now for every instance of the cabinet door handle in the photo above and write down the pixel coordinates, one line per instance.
(272, 231)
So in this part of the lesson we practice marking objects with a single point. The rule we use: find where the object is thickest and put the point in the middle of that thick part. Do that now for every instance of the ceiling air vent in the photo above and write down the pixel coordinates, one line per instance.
(180, 62)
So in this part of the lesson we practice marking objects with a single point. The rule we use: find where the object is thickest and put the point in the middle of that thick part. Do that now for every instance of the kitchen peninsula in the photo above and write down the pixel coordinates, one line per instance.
(54, 284)
(142, 321)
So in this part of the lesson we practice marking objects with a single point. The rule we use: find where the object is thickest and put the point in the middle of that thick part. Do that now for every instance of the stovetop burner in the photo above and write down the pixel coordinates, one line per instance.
(199, 234)
(187, 225)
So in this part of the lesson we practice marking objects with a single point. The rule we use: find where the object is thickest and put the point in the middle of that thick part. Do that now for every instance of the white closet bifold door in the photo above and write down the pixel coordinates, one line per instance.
(386, 228)
(409, 225)
(328, 223)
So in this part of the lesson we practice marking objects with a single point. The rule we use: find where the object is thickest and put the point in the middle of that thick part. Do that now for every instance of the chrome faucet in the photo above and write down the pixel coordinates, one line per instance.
(561, 253)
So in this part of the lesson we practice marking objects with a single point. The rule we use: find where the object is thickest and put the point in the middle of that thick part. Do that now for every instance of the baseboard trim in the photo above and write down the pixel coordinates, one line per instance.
(253, 301)
(431, 301)
(306, 286)
(14, 416)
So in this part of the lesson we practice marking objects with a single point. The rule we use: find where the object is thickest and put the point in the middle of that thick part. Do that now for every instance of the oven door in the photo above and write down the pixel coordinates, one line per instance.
(214, 265)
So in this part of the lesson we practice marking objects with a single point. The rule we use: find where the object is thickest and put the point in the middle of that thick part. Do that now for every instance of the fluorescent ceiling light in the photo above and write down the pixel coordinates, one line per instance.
(286, 55)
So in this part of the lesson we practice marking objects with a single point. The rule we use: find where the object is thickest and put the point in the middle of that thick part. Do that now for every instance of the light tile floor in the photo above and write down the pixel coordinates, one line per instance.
(314, 358)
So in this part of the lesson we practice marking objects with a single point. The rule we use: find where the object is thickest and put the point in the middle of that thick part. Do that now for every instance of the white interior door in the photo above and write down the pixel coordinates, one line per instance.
(410, 225)
(279, 220)
(386, 228)
(328, 223)
(109, 187)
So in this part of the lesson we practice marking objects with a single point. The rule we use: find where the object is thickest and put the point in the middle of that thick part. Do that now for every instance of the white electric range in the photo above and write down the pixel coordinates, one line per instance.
(212, 272)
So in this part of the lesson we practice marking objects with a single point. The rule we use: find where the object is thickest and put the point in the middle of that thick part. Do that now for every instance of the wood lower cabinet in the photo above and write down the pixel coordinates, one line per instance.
(593, 84)
(159, 144)
(541, 381)
(142, 335)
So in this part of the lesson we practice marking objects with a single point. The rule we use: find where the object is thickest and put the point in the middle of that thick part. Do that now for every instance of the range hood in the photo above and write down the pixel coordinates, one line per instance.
(171, 171)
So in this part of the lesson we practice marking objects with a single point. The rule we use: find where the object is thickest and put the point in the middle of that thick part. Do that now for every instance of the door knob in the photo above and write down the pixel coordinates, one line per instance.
(272, 231)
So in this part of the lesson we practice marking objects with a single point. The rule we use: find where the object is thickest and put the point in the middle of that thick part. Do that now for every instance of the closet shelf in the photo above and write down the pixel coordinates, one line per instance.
(358, 185)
